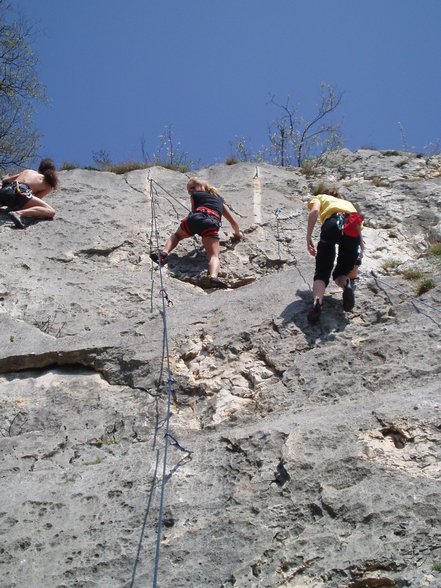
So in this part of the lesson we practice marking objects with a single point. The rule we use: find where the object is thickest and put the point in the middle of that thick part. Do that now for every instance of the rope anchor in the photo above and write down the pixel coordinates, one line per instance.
(175, 443)
(165, 295)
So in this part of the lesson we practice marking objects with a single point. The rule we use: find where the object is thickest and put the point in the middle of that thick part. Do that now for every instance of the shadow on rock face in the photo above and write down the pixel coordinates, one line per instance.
(333, 318)
(190, 267)
(28, 221)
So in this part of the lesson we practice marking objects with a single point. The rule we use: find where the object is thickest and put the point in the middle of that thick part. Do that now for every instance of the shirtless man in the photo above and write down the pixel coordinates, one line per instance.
(23, 193)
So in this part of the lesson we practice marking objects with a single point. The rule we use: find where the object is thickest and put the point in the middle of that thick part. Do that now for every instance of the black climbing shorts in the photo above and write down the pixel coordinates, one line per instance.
(15, 195)
(201, 223)
(331, 236)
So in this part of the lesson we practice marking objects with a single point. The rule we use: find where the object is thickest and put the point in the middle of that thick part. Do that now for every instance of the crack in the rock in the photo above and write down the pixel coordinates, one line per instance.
(103, 251)
(91, 359)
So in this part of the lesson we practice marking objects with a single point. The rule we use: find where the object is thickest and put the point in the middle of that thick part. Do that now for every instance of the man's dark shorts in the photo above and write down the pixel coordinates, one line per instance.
(201, 223)
(348, 249)
(14, 195)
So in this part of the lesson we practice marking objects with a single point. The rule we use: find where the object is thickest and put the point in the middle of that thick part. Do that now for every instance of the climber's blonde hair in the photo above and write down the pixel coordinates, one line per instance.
(207, 187)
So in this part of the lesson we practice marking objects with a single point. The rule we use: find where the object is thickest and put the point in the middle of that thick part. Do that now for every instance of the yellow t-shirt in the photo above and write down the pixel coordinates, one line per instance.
(329, 205)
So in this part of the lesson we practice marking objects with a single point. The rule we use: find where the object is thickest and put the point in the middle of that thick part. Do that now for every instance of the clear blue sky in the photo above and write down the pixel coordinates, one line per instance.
(116, 72)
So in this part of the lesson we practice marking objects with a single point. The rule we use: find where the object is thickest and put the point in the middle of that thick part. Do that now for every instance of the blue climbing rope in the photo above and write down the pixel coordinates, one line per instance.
(169, 440)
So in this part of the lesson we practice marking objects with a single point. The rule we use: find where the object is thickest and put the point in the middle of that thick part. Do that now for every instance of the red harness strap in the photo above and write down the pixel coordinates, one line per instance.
(213, 232)
(208, 211)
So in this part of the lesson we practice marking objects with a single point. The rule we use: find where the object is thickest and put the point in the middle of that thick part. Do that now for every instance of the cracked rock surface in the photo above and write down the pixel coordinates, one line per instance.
(297, 456)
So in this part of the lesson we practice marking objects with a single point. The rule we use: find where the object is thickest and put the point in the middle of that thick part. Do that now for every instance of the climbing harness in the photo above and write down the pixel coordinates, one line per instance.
(14, 194)
(208, 211)
(349, 223)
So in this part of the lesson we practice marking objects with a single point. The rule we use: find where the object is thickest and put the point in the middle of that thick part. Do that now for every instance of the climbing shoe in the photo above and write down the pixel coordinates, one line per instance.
(159, 259)
(314, 313)
(216, 283)
(348, 297)
(16, 219)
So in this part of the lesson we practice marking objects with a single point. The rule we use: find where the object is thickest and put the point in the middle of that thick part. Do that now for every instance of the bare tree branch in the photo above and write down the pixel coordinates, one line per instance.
(292, 139)
(19, 90)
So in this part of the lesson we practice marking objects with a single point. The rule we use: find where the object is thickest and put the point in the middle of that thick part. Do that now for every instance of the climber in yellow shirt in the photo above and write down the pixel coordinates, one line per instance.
(341, 225)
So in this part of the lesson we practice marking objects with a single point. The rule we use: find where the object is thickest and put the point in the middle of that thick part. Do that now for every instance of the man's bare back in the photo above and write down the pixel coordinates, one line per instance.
(41, 183)
(34, 180)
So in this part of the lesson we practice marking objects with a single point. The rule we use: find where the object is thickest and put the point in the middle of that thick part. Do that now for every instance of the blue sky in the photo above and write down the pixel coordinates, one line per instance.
(117, 73)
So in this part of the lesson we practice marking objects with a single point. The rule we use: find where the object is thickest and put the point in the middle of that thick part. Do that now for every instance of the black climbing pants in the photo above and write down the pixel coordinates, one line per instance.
(331, 236)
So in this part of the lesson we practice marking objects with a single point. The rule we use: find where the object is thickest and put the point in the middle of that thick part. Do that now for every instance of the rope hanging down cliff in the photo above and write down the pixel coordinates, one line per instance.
(416, 302)
(165, 423)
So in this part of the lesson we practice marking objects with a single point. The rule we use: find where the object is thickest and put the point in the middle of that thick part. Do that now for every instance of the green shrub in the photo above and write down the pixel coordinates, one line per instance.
(434, 250)
(126, 166)
(380, 182)
(180, 167)
(390, 264)
(309, 167)
(66, 166)
(437, 566)
(424, 286)
(412, 274)
(96, 461)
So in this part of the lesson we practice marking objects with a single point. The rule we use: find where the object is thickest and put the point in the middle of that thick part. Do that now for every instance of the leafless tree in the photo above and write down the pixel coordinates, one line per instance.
(170, 154)
(20, 88)
(294, 139)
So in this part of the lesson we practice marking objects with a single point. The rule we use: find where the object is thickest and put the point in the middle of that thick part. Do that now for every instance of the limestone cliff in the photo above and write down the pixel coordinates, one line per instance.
(295, 456)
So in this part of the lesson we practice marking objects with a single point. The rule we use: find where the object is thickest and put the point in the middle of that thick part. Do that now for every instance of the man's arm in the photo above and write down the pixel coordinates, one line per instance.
(312, 219)
(10, 178)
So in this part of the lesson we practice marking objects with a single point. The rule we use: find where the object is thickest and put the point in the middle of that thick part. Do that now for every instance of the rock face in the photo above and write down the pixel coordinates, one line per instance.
(272, 453)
